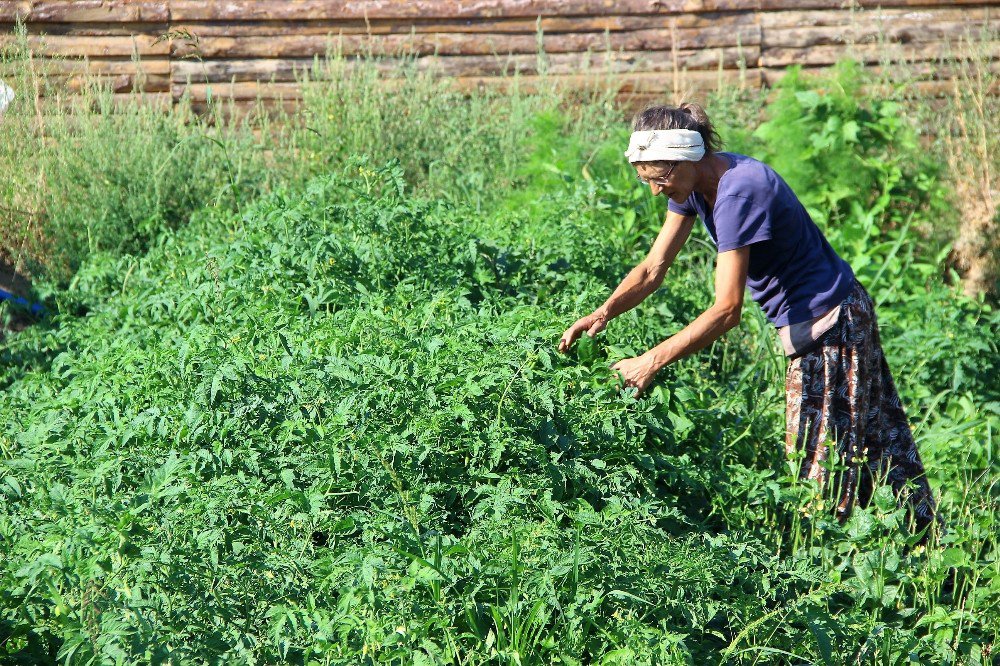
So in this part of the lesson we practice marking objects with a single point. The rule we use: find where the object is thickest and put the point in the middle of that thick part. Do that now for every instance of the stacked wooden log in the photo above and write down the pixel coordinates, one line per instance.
(245, 49)
(119, 41)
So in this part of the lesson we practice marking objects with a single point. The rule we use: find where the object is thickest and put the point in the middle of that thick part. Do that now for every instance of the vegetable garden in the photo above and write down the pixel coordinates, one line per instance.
(302, 404)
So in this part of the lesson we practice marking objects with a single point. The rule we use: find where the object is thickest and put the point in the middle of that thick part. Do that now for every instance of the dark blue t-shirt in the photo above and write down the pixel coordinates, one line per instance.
(794, 273)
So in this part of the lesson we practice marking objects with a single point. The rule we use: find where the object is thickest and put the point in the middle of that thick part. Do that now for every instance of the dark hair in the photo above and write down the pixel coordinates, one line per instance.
(687, 116)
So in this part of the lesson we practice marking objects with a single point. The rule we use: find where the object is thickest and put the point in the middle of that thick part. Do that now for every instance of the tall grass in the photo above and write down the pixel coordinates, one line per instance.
(972, 149)
(87, 174)
(952, 101)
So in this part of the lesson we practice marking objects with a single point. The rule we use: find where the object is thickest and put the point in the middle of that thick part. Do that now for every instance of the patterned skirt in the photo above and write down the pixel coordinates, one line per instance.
(841, 393)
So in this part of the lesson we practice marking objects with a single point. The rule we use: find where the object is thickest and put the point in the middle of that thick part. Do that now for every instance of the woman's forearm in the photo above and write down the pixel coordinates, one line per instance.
(708, 327)
(637, 285)
(730, 282)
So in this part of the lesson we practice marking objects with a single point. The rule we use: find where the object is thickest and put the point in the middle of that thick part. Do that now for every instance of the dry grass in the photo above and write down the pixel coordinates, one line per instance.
(972, 149)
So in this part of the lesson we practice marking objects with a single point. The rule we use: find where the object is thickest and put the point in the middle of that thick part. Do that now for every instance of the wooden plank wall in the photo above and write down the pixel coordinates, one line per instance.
(246, 48)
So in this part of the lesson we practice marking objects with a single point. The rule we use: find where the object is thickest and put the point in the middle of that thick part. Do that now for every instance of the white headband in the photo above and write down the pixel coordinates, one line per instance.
(674, 145)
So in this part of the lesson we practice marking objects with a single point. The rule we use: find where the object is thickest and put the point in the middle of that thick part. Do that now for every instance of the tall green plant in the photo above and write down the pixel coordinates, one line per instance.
(851, 156)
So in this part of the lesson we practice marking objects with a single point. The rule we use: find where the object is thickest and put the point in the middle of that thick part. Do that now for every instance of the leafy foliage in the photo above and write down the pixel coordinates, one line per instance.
(333, 429)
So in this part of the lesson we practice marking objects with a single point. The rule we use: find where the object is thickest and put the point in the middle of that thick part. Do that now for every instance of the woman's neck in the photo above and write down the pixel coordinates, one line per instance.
(709, 172)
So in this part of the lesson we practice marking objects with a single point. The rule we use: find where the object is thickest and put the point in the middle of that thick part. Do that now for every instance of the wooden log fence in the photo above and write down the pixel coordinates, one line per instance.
(249, 49)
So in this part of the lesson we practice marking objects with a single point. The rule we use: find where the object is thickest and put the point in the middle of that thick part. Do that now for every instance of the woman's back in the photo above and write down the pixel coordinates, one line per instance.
(794, 273)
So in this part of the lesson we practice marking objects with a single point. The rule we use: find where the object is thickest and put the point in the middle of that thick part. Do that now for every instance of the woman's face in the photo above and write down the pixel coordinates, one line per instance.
(675, 179)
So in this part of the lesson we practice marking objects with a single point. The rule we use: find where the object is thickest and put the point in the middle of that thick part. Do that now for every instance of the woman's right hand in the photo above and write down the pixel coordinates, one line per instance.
(593, 324)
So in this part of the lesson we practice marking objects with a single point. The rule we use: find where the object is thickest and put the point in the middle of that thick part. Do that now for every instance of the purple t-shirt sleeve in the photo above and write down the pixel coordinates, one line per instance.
(740, 222)
(681, 209)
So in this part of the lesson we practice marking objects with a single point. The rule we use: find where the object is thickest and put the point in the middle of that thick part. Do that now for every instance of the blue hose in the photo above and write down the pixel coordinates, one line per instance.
(34, 308)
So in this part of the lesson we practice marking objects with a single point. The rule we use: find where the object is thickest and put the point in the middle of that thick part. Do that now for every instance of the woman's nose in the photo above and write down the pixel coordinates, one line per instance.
(656, 188)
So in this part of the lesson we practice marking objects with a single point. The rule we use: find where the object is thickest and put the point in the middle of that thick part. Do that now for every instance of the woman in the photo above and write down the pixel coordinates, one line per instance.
(838, 386)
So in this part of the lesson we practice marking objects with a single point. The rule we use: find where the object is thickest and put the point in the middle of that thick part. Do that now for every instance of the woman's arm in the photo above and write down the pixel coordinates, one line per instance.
(724, 314)
(641, 281)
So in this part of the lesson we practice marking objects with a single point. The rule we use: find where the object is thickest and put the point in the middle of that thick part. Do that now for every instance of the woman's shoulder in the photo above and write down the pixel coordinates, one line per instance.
(748, 177)
(745, 165)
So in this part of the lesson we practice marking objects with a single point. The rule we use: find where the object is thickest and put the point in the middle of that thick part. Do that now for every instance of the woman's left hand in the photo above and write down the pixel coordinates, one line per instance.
(637, 372)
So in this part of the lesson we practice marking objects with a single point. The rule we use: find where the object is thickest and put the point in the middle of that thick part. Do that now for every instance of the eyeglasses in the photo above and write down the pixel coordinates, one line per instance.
(660, 180)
